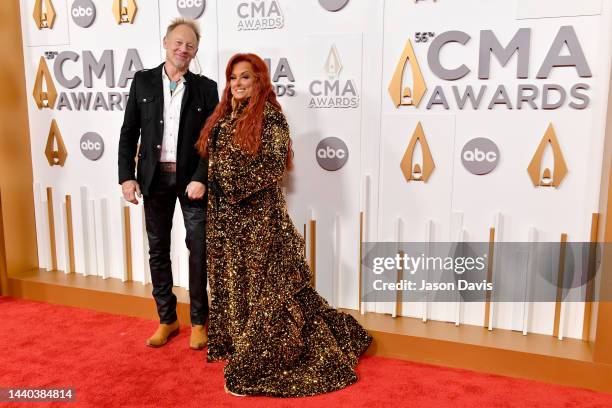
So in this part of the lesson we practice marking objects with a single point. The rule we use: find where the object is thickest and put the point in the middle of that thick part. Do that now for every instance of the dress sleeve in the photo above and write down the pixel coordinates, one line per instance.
(240, 179)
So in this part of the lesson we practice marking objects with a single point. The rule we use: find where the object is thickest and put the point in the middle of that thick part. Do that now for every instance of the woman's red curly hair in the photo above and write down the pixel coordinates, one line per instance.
(249, 125)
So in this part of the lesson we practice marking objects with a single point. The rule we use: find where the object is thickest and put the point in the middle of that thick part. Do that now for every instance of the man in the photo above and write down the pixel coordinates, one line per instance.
(166, 109)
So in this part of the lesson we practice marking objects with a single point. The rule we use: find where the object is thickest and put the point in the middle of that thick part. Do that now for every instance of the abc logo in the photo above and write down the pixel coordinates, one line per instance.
(480, 156)
(329, 153)
(92, 146)
(189, 3)
(83, 13)
(190, 8)
(89, 145)
(333, 5)
(332, 153)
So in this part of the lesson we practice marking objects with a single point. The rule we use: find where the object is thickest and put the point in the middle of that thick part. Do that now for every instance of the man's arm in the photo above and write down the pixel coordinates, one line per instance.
(128, 140)
(128, 143)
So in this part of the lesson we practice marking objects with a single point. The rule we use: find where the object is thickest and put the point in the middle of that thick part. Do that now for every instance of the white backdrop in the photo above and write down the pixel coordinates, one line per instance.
(368, 37)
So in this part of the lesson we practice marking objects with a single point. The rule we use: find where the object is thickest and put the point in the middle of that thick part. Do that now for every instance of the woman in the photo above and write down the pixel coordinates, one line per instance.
(279, 336)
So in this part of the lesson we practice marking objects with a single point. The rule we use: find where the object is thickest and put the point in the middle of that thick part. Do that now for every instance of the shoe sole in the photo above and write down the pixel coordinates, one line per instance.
(171, 335)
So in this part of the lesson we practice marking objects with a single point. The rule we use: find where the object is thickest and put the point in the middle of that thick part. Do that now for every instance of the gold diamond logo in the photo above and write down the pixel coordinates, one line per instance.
(333, 66)
(417, 171)
(44, 14)
(44, 98)
(56, 149)
(124, 11)
(402, 94)
(546, 177)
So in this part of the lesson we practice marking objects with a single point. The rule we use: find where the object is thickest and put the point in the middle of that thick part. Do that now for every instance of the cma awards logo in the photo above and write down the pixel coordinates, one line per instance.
(332, 153)
(333, 92)
(45, 92)
(260, 15)
(191, 8)
(282, 72)
(408, 88)
(124, 11)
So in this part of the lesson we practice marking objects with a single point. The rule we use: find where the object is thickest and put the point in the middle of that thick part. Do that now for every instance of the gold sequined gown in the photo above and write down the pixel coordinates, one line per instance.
(279, 336)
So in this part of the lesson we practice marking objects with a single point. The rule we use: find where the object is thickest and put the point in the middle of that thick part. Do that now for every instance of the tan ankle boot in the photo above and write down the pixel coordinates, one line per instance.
(199, 338)
(163, 333)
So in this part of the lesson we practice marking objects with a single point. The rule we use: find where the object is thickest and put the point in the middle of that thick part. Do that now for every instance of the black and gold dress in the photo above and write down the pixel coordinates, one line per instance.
(279, 336)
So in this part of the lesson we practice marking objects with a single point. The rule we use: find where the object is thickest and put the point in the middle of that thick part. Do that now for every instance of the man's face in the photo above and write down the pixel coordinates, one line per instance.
(181, 46)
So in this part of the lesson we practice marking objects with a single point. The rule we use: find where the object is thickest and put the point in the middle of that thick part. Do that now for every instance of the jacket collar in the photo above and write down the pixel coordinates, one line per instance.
(158, 73)
(189, 84)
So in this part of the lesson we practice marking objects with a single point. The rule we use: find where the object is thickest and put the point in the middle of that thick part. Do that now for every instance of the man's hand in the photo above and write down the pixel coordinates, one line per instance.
(195, 190)
(131, 190)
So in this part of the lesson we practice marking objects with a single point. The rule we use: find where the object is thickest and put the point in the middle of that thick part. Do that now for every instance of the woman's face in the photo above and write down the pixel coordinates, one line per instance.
(242, 80)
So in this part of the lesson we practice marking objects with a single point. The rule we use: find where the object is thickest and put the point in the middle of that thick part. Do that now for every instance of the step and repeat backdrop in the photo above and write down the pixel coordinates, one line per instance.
(422, 121)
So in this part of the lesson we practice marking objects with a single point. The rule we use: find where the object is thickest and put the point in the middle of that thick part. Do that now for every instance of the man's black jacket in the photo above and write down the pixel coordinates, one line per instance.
(144, 114)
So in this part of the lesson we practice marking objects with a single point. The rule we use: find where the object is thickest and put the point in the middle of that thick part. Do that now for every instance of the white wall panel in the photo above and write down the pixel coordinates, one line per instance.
(557, 8)
(369, 37)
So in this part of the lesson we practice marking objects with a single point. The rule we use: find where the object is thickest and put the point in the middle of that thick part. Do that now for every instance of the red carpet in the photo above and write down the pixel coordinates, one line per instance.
(104, 358)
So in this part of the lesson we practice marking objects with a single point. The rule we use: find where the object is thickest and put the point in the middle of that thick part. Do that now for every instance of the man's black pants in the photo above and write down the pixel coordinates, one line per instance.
(159, 210)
